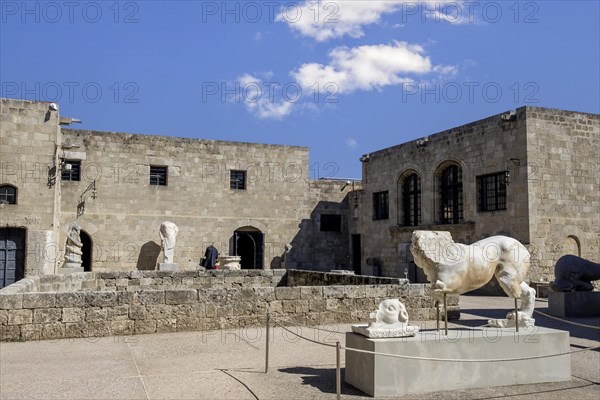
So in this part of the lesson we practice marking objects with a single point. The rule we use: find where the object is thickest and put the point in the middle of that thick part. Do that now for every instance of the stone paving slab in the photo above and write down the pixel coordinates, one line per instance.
(230, 364)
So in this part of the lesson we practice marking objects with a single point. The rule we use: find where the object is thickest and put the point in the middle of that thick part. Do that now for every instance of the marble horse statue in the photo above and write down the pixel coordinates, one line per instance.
(456, 268)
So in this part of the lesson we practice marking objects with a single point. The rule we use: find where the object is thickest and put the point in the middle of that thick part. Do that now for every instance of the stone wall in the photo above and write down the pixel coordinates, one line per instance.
(154, 302)
(564, 186)
(29, 136)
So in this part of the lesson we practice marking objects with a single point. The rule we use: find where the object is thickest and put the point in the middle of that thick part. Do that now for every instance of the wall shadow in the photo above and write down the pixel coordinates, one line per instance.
(148, 256)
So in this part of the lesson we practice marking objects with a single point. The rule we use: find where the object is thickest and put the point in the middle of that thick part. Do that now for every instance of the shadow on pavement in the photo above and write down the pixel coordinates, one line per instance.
(322, 379)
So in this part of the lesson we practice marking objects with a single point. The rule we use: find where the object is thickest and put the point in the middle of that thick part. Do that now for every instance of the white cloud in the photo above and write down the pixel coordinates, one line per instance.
(260, 102)
(258, 36)
(323, 20)
(368, 67)
(351, 142)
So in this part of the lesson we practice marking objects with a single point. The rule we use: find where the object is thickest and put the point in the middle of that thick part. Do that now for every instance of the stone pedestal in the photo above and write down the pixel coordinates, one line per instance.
(388, 376)
(167, 267)
(574, 304)
(230, 262)
(64, 271)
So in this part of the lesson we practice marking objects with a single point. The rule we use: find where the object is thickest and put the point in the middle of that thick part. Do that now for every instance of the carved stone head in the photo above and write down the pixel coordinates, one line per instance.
(390, 311)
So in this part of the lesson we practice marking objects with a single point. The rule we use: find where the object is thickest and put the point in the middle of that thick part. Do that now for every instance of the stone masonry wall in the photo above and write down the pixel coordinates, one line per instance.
(140, 309)
(29, 136)
(564, 186)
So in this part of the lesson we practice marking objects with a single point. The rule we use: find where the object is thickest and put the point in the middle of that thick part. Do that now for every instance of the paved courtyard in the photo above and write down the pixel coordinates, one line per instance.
(230, 364)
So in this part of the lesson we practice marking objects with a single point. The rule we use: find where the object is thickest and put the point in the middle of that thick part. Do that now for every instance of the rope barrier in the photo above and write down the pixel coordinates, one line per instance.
(565, 321)
(305, 338)
(468, 359)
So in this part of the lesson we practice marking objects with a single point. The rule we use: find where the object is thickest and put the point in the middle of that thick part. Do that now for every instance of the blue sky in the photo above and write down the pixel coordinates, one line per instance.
(342, 77)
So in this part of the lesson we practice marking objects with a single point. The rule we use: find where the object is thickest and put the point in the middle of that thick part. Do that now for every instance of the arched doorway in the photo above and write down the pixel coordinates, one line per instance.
(87, 251)
(12, 255)
(248, 243)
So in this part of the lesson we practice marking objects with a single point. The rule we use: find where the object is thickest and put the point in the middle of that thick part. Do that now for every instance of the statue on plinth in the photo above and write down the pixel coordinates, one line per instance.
(168, 237)
(455, 268)
(574, 274)
(73, 247)
(390, 320)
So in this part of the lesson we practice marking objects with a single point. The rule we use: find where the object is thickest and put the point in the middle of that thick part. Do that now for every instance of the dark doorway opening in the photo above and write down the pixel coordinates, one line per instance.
(12, 255)
(86, 249)
(248, 243)
(356, 254)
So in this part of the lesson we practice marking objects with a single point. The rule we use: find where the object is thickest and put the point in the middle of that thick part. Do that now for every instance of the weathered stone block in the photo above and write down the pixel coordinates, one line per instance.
(68, 300)
(288, 306)
(122, 327)
(150, 297)
(75, 330)
(39, 300)
(166, 325)
(276, 307)
(181, 296)
(265, 294)
(72, 315)
(311, 292)
(355, 292)
(287, 293)
(31, 332)
(144, 327)
(335, 292)
(11, 301)
(47, 315)
(3, 317)
(20, 317)
(97, 329)
(118, 312)
(138, 312)
(159, 311)
(53, 331)
(101, 299)
(10, 333)
(317, 305)
(96, 314)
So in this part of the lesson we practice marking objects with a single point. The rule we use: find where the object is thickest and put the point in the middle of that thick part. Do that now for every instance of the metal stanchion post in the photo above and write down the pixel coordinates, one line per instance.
(516, 316)
(437, 315)
(268, 340)
(445, 315)
(338, 375)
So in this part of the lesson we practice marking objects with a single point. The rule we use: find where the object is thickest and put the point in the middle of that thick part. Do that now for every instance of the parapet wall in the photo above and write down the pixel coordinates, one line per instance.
(113, 304)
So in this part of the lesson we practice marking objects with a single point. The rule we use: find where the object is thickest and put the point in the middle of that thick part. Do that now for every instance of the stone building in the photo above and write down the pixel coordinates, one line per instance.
(532, 174)
(253, 200)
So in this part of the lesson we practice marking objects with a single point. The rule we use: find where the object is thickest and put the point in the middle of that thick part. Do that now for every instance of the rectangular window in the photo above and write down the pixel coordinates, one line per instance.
(70, 170)
(381, 205)
(158, 175)
(331, 223)
(491, 192)
(237, 180)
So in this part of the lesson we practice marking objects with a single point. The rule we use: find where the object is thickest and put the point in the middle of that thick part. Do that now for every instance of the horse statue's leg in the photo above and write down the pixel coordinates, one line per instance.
(508, 279)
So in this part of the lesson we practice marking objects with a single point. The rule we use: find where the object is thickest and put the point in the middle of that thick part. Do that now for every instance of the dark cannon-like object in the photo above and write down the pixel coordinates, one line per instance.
(574, 274)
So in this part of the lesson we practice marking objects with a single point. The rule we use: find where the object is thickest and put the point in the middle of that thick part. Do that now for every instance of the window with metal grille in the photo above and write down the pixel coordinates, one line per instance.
(381, 209)
(451, 201)
(411, 200)
(8, 194)
(158, 175)
(491, 190)
(237, 180)
(331, 223)
(70, 170)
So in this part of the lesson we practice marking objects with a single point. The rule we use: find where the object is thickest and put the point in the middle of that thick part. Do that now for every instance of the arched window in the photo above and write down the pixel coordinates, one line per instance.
(411, 200)
(451, 202)
(8, 194)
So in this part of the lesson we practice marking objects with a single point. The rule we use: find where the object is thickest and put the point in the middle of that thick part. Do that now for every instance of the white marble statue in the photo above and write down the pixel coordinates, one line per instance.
(73, 246)
(456, 268)
(168, 236)
(388, 321)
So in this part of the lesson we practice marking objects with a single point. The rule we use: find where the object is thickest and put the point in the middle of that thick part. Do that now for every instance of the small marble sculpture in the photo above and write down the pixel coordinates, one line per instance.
(574, 274)
(168, 236)
(456, 268)
(73, 247)
(390, 320)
